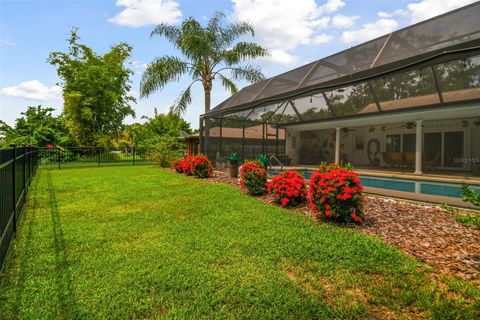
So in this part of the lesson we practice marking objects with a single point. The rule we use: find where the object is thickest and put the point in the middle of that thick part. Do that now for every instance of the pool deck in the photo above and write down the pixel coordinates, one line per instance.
(438, 176)
(445, 177)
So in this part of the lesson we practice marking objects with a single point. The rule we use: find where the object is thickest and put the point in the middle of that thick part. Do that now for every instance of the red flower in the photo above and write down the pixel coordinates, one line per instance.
(288, 185)
(336, 192)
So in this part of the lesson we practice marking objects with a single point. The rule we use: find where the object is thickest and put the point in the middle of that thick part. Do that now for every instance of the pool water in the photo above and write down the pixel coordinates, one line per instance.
(453, 190)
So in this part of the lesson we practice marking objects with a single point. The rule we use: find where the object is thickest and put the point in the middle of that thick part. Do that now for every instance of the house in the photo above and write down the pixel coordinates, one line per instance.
(408, 100)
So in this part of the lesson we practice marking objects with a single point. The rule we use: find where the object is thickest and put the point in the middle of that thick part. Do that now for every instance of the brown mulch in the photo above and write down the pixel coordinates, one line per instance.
(426, 232)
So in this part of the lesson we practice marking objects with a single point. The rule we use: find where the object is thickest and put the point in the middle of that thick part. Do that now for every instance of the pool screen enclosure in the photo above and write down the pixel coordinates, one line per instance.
(434, 64)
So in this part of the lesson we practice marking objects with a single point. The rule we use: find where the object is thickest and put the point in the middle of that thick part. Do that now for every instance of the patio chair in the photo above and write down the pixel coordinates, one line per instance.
(386, 159)
(431, 164)
(396, 159)
(409, 159)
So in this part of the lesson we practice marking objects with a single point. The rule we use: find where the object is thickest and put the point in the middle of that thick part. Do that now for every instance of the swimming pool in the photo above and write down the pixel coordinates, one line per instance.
(415, 186)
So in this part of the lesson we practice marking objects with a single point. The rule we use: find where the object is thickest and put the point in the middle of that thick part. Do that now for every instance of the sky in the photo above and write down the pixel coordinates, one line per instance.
(295, 33)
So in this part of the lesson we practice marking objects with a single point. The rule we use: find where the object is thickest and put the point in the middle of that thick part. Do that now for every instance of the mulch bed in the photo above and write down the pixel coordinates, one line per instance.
(426, 232)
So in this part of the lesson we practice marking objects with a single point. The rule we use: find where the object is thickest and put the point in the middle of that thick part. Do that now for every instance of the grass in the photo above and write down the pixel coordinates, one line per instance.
(140, 242)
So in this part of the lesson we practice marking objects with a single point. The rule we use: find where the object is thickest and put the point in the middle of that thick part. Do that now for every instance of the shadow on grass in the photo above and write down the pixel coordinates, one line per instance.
(24, 270)
(63, 275)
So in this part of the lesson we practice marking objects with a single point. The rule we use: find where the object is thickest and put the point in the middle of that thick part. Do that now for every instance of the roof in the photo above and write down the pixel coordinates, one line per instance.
(450, 32)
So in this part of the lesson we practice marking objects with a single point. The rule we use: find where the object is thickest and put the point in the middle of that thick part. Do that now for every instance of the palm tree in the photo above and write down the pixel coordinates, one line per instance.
(207, 53)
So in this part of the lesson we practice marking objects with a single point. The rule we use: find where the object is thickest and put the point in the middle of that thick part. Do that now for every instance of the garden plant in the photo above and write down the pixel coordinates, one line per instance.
(336, 194)
(253, 178)
(288, 188)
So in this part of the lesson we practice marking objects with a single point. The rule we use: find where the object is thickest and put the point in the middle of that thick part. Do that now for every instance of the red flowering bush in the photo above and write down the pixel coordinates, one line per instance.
(253, 177)
(201, 166)
(336, 193)
(179, 165)
(288, 188)
(198, 166)
(188, 164)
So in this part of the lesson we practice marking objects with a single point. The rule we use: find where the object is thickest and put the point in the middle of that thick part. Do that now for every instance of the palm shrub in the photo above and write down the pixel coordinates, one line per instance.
(263, 160)
(253, 178)
(336, 193)
(233, 164)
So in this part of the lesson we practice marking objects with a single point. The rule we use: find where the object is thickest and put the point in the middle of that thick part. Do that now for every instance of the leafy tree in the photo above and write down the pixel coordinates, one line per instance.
(164, 149)
(95, 90)
(169, 124)
(207, 53)
(37, 126)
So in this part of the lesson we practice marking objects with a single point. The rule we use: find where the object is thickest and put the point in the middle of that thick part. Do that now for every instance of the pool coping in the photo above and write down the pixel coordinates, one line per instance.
(428, 198)
(471, 180)
(405, 195)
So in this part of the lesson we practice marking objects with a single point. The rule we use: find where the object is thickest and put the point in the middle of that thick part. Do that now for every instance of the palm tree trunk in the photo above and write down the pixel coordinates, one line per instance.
(208, 97)
(208, 91)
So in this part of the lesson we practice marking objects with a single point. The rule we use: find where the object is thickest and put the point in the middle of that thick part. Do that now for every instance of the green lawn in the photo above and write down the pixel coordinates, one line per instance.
(140, 242)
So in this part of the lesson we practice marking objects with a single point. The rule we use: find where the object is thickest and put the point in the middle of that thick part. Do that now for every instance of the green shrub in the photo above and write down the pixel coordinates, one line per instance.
(470, 195)
(163, 150)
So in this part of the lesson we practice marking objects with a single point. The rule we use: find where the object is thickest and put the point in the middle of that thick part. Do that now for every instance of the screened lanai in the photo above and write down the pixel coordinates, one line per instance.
(407, 100)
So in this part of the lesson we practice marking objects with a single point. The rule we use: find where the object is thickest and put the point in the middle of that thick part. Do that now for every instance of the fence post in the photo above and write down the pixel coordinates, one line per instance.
(98, 148)
(29, 164)
(133, 152)
(14, 187)
(58, 158)
(24, 169)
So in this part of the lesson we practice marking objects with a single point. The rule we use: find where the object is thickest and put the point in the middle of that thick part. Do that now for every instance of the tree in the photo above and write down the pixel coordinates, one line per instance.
(95, 90)
(160, 125)
(207, 53)
(37, 126)
(167, 124)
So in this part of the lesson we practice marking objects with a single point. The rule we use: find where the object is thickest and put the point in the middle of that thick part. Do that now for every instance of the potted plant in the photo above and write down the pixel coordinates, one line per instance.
(233, 164)
(263, 159)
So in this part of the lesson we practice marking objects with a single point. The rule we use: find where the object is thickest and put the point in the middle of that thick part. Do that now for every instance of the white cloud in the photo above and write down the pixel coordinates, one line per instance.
(138, 13)
(370, 31)
(322, 38)
(423, 10)
(279, 56)
(343, 22)
(7, 43)
(331, 6)
(33, 90)
(426, 9)
(383, 14)
(283, 25)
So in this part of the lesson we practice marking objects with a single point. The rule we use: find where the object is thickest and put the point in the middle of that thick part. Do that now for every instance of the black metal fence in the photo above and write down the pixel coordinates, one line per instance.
(57, 157)
(17, 167)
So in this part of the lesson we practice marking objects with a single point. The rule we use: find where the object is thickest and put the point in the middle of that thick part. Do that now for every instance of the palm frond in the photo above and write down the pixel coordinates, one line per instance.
(248, 73)
(171, 33)
(228, 84)
(160, 72)
(236, 30)
(243, 51)
(184, 100)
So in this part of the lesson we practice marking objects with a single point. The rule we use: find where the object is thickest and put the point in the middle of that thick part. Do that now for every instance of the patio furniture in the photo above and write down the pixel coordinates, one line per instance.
(409, 159)
(433, 163)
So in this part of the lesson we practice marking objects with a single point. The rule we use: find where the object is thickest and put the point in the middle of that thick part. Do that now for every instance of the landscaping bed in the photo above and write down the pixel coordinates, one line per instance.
(424, 231)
